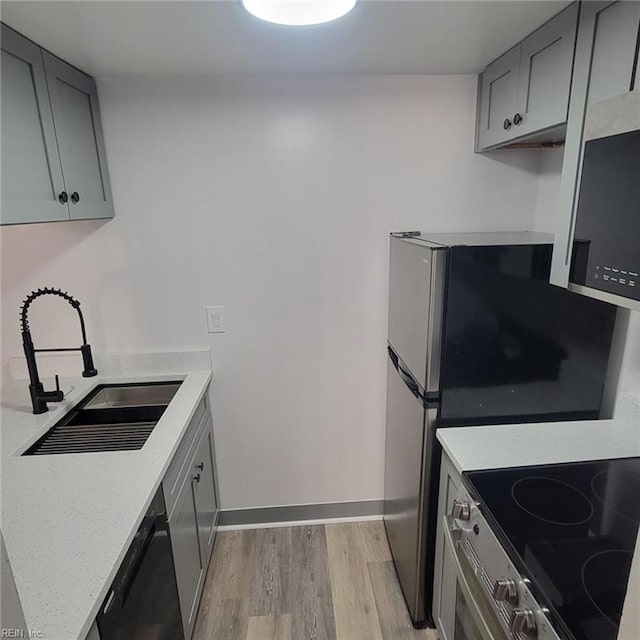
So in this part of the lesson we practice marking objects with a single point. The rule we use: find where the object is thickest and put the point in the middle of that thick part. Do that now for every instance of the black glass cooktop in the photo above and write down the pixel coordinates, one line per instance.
(571, 529)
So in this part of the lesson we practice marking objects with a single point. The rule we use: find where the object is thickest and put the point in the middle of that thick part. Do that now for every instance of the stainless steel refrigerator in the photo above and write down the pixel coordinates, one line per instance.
(476, 336)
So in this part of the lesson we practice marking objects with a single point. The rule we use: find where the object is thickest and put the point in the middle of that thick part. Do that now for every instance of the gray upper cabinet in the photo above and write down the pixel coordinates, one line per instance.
(53, 160)
(546, 63)
(606, 57)
(526, 91)
(614, 47)
(498, 99)
(74, 100)
(31, 171)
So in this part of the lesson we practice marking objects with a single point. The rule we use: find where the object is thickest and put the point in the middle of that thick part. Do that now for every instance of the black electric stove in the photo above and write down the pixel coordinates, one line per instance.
(571, 529)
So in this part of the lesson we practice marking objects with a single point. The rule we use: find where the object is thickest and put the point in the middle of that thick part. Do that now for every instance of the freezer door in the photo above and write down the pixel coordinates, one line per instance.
(409, 450)
(416, 277)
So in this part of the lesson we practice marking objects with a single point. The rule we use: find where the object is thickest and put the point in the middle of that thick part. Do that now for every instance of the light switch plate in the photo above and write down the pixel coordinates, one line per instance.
(215, 319)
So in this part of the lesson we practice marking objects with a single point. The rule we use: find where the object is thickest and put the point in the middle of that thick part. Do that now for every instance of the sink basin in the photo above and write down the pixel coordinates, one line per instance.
(110, 418)
(132, 395)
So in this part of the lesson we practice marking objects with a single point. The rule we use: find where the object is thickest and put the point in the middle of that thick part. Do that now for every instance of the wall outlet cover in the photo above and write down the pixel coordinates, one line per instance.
(215, 319)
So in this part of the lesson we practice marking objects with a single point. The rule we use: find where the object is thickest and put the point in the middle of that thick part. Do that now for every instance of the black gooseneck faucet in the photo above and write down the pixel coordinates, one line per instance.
(40, 397)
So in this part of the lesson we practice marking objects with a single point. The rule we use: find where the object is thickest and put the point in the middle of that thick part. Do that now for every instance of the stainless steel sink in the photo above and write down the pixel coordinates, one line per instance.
(110, 418)
(133, 395)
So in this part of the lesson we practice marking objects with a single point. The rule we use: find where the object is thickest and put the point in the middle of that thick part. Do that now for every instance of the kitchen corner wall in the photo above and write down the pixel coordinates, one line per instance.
(274, 197)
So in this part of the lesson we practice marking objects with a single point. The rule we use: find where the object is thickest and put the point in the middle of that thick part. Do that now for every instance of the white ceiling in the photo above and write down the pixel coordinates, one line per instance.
(183, 37)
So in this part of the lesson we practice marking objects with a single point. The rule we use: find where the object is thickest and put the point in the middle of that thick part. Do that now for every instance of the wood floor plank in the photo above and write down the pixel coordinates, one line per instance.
(224, 619)
(333, 582)
(374, 539)
(311, 603)
(270, 550)
(270, 628)
(353, 601)
(230, 563)
(392, 611)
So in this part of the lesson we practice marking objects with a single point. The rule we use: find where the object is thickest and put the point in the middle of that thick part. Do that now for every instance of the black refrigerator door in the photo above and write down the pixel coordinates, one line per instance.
(517, 349)
(409, 455)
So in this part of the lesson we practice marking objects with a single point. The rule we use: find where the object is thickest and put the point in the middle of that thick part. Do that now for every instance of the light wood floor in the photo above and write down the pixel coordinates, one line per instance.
(323, 582)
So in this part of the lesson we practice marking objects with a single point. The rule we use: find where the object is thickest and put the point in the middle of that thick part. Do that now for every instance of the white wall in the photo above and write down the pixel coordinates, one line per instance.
(550, 170)
(273, 197)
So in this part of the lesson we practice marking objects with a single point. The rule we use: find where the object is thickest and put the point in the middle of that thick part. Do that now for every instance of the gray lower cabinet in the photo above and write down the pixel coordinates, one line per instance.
(205, 492)
(53, 159)
(190, 488)
(444, 584)
(93, 634)
(11, 615)
(185, 543)
(605, 63)
(525, 92)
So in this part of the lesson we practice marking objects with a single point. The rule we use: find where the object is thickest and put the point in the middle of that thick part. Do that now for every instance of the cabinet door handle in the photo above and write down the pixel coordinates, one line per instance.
(200, 466)
(75, 197)
(196, 478)
(517, 120)
(506, 124)
(63, 198)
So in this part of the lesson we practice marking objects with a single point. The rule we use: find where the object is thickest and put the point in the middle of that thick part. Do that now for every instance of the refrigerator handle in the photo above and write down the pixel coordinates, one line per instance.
(429, 400)
(406, 376)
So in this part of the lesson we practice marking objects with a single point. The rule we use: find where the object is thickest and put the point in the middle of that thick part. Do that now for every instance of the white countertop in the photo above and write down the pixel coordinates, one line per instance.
(518, 445)
(68, 520)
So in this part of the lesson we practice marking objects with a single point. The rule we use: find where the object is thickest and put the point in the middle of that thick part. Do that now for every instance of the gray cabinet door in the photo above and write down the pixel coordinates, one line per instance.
(546, 63)
(498, 100)
(186, 554)
(11, 615)
(606, 50)
(614, 51)
(444, 582)
(205, 492)
(74, 101)
(31, 171)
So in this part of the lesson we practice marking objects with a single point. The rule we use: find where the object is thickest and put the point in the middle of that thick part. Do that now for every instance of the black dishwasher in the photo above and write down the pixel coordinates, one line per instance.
(142, 603)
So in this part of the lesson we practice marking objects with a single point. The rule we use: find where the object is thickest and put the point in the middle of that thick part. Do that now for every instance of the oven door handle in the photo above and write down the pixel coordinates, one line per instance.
(488, 626)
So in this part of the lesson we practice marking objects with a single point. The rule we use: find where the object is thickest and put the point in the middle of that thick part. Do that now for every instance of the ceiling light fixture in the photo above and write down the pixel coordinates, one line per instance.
(298, 12)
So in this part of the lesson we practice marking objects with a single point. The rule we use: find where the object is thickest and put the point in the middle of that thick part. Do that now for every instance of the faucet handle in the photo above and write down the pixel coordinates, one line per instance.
(57, 395)
(53, 396)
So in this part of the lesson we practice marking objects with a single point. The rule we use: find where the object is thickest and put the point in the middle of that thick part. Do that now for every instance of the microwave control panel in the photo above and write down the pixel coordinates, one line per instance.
(614, 275)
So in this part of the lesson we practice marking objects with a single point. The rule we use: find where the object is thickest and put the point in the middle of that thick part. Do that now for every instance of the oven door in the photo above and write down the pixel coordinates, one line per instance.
(468, 615)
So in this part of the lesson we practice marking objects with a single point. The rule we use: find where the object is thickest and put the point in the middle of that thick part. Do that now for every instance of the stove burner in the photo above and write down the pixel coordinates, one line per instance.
(626, 493)
(601, 582)
(552, 501)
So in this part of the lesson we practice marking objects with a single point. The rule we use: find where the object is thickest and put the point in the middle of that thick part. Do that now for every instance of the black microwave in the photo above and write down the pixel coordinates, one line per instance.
(606, 248)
